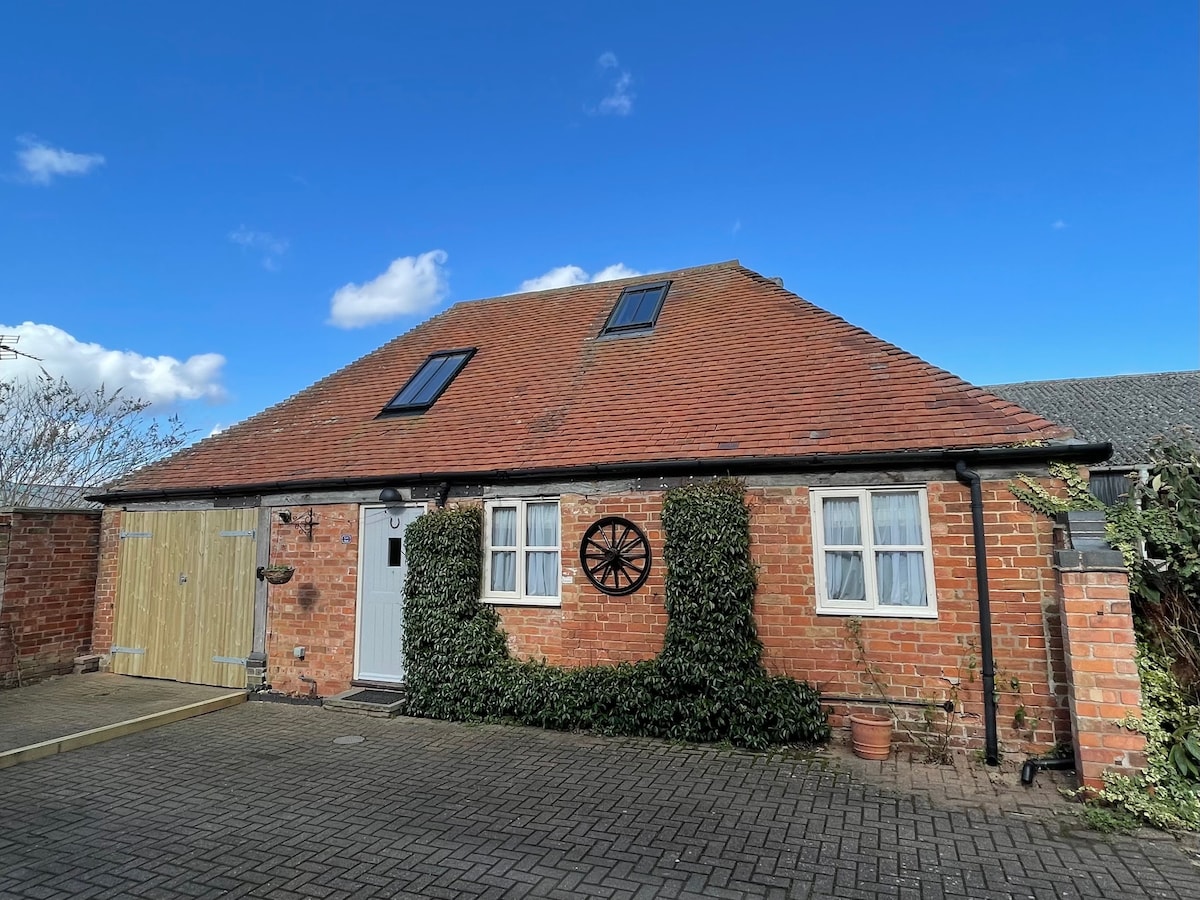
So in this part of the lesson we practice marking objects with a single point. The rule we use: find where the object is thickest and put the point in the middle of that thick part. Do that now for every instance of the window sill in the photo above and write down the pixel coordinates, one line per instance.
(522, 601)
(875, 612)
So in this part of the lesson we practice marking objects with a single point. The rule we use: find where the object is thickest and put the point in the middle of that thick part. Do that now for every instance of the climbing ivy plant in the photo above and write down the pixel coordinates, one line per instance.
(1158, 532)
(708, 684)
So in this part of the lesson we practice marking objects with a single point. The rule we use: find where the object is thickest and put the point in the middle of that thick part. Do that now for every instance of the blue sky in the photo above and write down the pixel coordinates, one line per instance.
(1007, 189)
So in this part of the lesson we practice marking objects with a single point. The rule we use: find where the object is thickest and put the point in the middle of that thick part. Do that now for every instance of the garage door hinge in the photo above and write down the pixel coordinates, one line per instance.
(134, 651)
(250, 533)
(129, 534)
(232, 660)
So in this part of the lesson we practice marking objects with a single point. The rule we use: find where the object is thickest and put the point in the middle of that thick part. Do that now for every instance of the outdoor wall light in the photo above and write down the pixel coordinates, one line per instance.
(390, 495)
(285, 516)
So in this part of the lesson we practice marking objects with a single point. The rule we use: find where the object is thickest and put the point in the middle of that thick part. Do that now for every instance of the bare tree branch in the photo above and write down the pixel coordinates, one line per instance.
(52, 434)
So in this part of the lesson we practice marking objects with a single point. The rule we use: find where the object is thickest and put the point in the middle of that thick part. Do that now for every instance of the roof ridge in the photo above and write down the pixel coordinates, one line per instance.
(576, 288)
(1010, 384)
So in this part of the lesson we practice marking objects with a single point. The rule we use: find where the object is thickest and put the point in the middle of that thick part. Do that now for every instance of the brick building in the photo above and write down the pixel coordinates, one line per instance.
(566, 414)
(48, 564)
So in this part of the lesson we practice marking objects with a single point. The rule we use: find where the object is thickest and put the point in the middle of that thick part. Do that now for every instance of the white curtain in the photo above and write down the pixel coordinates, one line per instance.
(541, 525)
(844, 575)
(896, 518)
(841, 520)
(504, 526)
(541, 566)
(504, 570)
(541, 573)
(504, 562)
(901, 575)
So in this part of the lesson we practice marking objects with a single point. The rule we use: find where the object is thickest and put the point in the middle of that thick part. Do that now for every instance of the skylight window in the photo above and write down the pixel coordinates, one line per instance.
(430, 380)
(637, 308)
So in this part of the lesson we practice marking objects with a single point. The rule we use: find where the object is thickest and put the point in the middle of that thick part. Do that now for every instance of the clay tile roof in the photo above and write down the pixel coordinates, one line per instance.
(737, 366)
(1131, 411)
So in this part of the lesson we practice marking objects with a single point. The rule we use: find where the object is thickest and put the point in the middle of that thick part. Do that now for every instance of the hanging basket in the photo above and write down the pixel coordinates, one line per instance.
(871, 735)
(278, 574)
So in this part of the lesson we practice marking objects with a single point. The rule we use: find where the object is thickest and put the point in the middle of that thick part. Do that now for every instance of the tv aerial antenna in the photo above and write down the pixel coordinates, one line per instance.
(8, 348)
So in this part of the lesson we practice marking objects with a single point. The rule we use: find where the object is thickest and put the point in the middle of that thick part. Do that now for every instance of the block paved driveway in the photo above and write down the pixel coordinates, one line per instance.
(257, 801)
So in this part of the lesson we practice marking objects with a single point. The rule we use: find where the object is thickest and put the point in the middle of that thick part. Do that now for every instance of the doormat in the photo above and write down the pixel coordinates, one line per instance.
(380, 698)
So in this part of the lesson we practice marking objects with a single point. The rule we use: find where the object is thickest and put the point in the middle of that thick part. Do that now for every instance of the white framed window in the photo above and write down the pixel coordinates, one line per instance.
(873, 553)
(522, 555)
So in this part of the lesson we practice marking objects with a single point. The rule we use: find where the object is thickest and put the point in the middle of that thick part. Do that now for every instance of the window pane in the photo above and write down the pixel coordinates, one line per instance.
(645, 307)
(840, 517)
(901, 577)
(504, 571)
(541, 573)
(438, 375)
(844, 576)
(896, 518)
(395, 554)
(541, 525)
(504, 526)
(626, 308)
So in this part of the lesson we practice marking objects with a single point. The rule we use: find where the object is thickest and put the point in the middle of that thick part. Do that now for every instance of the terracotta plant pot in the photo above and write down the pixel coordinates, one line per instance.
(871, 735)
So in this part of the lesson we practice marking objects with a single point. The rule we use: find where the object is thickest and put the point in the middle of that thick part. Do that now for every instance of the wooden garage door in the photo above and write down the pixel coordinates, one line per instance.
(185, 595)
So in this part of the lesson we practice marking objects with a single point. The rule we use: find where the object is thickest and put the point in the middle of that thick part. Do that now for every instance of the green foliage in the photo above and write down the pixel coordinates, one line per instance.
(1036, 496)
(1107, 819)
(707, 685)
(1158, 533)
(1167, 794)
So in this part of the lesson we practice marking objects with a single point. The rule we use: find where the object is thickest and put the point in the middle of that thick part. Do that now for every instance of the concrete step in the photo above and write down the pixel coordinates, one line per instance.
(367, 702)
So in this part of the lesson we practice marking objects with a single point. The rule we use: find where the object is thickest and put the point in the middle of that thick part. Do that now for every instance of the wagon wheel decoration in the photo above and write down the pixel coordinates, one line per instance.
(615, 555)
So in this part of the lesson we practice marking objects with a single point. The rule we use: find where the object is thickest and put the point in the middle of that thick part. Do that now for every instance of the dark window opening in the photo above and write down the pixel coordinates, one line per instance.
(395, 554)
(1110, 488)
(637, 308)
(430, 381)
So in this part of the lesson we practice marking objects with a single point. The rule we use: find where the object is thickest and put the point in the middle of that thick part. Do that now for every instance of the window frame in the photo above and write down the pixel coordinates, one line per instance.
(870, 605)
(392, 408)
(610, 330)
(518, 597)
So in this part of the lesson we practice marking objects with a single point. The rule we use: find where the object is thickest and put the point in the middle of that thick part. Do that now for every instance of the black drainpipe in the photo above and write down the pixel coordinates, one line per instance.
(991, 746)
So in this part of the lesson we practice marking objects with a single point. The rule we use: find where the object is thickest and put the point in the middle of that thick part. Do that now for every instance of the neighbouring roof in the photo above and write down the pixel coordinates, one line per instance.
(1129, 411)
(46, 496)
(734, 367)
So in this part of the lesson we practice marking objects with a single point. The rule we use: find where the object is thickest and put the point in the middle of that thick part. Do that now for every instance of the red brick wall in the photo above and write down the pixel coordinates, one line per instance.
(48, 590)
(590, 627)
(919, 659)
(316, 609)
(1105, 688)
(922, 659)
(106, 579)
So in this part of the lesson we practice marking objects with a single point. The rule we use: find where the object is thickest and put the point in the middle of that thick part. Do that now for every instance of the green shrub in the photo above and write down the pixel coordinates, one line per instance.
(708, 684)
(1167, 794)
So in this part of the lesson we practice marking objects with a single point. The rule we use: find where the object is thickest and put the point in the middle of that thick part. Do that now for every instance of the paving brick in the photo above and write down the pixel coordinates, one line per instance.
(256, 801)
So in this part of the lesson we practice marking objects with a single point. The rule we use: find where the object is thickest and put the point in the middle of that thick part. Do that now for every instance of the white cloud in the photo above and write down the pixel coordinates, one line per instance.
(737, 226)
(565, 276)
(271, 247)
(619, 100)
(42, 163)
(216, 429)
(1058, 224)
(411, 284)
(157, 379)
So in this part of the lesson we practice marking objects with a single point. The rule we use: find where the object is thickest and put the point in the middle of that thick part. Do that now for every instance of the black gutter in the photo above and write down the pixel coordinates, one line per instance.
(745, 465)
(990, 743)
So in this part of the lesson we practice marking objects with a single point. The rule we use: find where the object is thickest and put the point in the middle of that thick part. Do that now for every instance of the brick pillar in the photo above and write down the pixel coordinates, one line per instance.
(1098, 643)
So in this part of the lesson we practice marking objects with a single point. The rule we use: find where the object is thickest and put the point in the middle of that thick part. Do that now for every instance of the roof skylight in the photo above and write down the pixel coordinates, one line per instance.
(637, 308)
(429, 381)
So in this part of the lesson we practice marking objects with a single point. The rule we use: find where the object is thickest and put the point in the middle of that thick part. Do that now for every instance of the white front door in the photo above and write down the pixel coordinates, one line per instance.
(382, 564)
